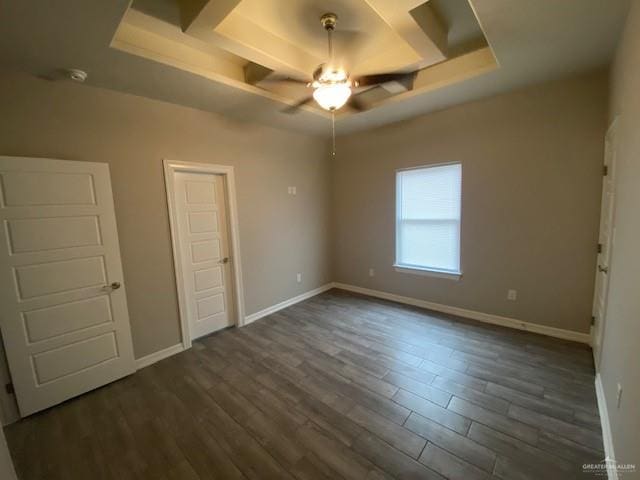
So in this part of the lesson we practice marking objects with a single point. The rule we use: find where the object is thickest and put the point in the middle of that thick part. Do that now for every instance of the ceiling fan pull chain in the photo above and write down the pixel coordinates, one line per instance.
(333, 133)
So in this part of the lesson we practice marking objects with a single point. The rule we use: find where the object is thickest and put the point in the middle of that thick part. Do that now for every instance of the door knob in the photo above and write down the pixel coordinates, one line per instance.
(603, 269)
(112, 287)
(224, 260)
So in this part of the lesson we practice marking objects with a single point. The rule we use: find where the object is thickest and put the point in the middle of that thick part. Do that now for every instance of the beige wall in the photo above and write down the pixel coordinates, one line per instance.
(280, 234)
(532, 163)
(531, 181)
(620, 359)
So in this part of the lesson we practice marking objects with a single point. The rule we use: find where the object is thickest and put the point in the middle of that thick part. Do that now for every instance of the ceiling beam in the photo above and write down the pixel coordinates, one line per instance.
(204, 14)
(255, 73)
(417, 24)
(215, 22)
(399, 86)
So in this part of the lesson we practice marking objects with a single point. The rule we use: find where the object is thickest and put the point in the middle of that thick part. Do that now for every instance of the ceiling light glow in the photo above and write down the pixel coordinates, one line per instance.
(332, 96)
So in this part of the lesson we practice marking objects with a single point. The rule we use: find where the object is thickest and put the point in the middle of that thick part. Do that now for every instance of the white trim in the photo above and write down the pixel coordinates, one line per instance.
(607, 439)
(427, 272)
(287, 303)
(472, 314)
(170, 168)
(159, 355)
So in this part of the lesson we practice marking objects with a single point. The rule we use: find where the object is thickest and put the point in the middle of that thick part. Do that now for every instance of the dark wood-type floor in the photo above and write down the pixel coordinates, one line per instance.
(339, 386)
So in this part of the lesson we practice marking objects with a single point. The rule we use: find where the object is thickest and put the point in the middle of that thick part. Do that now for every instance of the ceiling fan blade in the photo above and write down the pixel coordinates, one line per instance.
(296, 106)
(283, 79)
(357, 104)
(377, 79)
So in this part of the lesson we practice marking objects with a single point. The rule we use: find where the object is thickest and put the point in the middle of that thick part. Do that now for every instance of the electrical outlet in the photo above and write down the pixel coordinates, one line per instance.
(619, 396)
(299, 278)
(372, 272)
(512, 294)
(292, 190)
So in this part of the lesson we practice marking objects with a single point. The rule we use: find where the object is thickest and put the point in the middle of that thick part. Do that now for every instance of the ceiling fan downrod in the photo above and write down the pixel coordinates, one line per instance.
(328, 21)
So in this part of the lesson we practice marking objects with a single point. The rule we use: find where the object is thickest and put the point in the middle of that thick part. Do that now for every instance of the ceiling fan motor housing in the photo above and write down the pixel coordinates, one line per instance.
(329, 20)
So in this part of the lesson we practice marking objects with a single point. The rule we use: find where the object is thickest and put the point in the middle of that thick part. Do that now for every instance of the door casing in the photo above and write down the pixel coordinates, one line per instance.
(170, 169)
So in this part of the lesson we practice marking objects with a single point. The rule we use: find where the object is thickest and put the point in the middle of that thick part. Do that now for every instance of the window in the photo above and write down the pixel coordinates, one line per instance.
(428, 219)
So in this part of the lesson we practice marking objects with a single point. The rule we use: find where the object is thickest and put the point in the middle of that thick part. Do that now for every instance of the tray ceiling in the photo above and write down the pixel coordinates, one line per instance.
(244, 43)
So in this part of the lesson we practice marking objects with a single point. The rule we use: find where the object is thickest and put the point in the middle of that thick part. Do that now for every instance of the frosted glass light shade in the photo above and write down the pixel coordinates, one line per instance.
(332, 96)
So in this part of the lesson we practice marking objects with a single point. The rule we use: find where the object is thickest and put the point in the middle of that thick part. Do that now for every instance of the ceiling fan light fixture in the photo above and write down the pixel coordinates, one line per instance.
(333, 75)
(332, 96)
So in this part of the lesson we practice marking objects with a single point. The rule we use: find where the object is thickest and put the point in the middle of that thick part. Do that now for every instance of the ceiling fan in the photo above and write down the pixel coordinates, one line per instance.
(332, 85)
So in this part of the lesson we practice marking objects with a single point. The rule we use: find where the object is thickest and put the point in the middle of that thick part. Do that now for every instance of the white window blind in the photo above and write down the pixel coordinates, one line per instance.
(428, 218)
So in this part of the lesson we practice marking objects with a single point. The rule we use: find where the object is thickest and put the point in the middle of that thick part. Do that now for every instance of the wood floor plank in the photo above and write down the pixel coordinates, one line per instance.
(575, 433)
(455, 443)
(245, 452)
(341, 427)
(205, 455)
(531, 402)
(499, 422)
(382, 405)
(571, 451)
(392, 461)
(508, 381)
(586, 419)
(338, 386)
(395, 435)
(444, 417)
(449, 465)
(343, 461)
(474, 396)
(424, 390)
(525, 456)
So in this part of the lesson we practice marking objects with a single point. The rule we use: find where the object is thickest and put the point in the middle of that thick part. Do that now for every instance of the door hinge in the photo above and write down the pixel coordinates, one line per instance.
(9, 388)
(605, 170)
(599, 248)
(593, 320)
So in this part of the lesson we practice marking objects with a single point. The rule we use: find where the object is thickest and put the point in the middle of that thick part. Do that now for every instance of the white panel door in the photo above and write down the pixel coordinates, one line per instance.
(201, 214)
(63, 311)
(605, 243)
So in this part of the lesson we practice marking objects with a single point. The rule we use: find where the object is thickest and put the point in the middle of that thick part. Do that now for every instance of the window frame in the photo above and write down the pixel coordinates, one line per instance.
(418, 269)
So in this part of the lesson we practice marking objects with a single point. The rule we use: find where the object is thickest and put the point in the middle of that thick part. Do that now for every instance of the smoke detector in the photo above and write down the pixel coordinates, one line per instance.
(77, 75)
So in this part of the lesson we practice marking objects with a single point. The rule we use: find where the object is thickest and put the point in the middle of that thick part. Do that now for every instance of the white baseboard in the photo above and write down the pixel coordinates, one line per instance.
(167, 352)
(472, 314)
(287, 303)
(607, 439)
(157, 356)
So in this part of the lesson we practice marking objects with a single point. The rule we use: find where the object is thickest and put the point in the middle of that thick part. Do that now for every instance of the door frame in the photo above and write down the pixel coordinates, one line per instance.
(171, 167)
(596, 343)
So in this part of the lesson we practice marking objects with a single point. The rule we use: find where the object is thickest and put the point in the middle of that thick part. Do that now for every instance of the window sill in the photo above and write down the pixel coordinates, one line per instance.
(427, 272)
